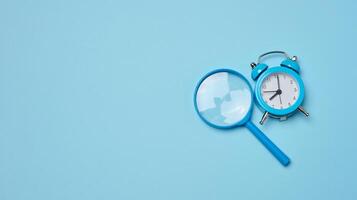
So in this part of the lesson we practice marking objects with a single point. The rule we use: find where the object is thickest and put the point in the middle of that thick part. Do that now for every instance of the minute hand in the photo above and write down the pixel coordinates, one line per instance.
(277, 77)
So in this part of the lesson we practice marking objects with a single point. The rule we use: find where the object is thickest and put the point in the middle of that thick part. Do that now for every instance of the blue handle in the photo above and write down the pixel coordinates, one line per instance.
(283, 159)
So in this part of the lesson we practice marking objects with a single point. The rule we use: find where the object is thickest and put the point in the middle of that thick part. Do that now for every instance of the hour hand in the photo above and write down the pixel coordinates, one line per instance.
(272, 97)
(278, 92)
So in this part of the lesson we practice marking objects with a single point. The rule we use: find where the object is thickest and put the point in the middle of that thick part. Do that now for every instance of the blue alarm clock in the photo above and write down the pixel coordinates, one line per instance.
(279, 90)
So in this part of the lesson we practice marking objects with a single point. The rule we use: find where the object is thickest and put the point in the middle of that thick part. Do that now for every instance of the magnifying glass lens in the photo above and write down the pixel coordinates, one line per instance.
(223, 99)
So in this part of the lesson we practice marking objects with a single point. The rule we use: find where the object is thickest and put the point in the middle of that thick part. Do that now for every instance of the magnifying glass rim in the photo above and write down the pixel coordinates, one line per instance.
(239, 123)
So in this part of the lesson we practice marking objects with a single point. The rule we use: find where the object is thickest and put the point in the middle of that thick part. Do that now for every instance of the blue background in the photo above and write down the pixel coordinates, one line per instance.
(96, 100)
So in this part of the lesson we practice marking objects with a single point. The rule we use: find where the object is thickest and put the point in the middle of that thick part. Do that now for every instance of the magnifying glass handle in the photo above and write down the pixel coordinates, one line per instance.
(278, 154)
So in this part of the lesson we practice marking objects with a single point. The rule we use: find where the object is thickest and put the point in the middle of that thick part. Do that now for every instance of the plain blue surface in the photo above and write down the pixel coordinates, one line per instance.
(96, 100)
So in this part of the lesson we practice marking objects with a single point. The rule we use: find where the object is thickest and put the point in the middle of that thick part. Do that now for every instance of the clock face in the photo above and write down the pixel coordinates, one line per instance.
(280, 90)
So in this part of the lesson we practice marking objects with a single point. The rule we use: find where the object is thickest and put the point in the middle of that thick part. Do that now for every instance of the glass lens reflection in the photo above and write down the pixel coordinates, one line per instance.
(223, 99)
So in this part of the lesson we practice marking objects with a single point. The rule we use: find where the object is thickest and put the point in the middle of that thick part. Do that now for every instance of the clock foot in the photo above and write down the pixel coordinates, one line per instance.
(301, 109)
(264, 118)
(283, 118)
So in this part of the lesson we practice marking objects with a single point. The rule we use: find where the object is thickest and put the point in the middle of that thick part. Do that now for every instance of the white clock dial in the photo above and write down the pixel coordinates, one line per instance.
(280, 90)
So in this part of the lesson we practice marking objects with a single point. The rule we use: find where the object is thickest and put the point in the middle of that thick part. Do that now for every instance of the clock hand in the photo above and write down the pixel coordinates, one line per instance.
(269, 91)
(272, 97)
(277, 77)
(278, 92)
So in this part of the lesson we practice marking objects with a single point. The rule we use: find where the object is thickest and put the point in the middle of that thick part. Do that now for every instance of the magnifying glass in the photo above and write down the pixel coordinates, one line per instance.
(224, 99)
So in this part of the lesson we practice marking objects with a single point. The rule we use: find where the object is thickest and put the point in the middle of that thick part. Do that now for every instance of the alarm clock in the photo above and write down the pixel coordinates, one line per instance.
(279, 90)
